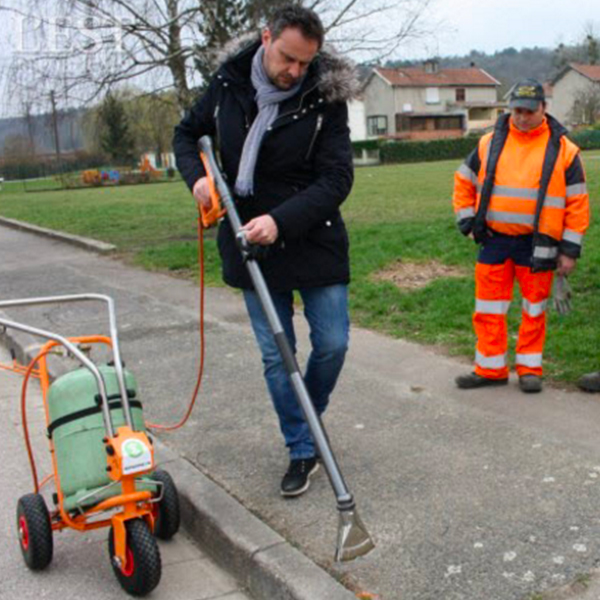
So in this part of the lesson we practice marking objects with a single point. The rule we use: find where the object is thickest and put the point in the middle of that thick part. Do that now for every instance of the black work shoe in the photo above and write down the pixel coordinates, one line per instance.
(297, 479)
(590, 382)
(472, 381)
(530, 384)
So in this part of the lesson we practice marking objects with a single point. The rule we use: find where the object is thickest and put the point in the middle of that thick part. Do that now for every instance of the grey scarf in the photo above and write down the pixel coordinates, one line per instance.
(268, 97)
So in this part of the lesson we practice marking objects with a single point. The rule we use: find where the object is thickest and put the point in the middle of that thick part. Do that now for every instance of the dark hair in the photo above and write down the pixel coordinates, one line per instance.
(297, 17)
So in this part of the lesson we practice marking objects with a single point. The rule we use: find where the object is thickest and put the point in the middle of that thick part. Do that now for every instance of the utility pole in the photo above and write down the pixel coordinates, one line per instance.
(55, 126)
(56, 138)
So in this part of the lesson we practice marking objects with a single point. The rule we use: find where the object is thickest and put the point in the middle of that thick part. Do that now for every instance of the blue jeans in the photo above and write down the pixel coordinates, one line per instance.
(326, 310)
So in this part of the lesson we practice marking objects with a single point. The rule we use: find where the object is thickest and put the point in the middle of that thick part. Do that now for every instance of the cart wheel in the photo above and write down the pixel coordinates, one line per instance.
(166, 512)
(35, 531)
(142, 570)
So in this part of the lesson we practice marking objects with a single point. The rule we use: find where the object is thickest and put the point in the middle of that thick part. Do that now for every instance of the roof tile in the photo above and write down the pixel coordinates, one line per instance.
(417, 77)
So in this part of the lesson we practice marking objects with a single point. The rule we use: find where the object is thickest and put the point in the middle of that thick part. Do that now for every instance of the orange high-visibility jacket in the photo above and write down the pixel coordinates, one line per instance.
(513, 192)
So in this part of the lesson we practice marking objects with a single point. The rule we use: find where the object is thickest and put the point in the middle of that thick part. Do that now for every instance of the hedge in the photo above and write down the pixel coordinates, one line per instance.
(370, 145)
(586, 139)
(451, 148)
(30, 168)
(446, 149)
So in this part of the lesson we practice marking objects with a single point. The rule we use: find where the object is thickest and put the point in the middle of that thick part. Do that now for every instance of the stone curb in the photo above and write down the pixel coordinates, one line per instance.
(74, 240)
(262, 561)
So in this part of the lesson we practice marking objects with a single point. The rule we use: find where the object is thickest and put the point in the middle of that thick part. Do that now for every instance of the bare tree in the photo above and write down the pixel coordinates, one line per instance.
(82, 48)
(586, 50)
(30, 126)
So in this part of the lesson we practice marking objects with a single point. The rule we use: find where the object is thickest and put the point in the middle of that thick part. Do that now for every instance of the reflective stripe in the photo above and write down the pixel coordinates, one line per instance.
(527, 194)
(572, 236)
(509, 217)
(554, 202)
(465, 213)
(492, 307)
(576, 188)
(545, 252)
(529, 360)
(534, 309)
(490, 362)
(467, 173)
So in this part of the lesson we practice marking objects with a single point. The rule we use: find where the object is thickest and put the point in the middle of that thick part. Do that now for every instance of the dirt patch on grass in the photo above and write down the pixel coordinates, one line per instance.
(412, 276)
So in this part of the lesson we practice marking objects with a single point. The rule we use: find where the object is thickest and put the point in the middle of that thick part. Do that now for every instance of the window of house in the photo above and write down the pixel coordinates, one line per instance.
(432, 95)
(461, 94)
(377, 125)
(418, 124)
(448, 123)
(402, 122)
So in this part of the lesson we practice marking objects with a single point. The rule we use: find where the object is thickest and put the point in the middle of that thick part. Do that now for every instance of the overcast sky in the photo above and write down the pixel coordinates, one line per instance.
(490, 25)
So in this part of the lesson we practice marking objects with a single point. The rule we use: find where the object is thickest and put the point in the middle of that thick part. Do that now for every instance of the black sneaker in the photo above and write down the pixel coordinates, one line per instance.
(297, 479)
(472, 381)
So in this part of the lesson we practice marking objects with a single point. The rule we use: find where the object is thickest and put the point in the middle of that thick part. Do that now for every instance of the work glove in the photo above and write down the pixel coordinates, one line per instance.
(561, 295)
(481, 236)
(466, 225)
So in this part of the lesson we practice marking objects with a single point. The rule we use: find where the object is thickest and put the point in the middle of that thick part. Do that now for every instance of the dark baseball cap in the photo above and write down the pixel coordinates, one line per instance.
(528, 93)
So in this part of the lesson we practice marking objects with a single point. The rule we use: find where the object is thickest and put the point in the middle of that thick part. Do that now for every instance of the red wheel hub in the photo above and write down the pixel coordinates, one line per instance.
(23, 533)
(129, 566)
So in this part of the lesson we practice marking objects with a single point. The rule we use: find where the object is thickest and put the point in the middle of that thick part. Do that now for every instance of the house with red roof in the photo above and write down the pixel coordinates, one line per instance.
(429, 102)
(575, 81)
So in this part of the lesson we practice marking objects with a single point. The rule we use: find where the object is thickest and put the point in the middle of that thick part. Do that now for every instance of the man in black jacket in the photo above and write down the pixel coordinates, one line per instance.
(277, 111)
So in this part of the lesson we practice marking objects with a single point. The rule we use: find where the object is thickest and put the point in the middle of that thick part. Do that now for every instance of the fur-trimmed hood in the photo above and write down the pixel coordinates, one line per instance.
(336, 74)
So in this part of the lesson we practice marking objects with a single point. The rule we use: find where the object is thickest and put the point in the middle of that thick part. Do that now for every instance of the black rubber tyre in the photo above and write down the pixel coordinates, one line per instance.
(166, 513)
(142, 571)
(35, 531)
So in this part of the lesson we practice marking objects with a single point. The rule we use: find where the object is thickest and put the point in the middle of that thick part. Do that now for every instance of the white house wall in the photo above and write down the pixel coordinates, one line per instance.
(379, 100)
(416, 97)
(413, 96)
(564, 92)
(357, 120)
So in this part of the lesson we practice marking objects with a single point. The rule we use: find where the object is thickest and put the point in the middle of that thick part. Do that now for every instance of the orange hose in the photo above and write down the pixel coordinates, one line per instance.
(24, 420)
(30, 372)
(201, 366)
(46, 480)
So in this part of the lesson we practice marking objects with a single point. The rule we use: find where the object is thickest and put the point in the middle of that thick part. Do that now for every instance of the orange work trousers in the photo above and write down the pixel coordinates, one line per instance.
(493, 294)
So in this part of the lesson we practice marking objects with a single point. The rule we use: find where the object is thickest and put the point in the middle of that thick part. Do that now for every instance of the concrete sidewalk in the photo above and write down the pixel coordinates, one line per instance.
(469, 496)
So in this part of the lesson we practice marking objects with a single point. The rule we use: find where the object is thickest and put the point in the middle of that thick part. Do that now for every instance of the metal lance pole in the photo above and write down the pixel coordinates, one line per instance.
(353, 538)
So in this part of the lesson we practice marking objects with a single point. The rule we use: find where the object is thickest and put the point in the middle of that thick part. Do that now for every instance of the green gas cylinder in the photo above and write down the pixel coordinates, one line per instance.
(77, 429)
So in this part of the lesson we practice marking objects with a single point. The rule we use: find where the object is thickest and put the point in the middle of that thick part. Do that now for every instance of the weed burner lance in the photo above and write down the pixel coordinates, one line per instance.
(353, 539)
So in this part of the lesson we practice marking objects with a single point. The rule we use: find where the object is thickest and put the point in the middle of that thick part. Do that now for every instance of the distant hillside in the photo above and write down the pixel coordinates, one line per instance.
(69, 131)
(507, 65)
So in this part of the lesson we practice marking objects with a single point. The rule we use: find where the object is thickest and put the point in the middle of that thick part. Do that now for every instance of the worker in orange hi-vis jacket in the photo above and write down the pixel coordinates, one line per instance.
(521, 194)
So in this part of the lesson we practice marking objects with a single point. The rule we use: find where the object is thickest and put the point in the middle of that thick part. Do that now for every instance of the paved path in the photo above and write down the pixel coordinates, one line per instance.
(471, 496)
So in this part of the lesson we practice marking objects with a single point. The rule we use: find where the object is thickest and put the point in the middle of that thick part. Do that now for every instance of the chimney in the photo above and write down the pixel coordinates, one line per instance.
(431, 66)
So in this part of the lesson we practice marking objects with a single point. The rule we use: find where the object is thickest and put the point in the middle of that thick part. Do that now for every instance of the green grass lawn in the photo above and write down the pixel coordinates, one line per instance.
(395, 212)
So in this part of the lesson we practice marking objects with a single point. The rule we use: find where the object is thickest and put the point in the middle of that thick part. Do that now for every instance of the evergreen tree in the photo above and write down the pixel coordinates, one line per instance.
(115, 138)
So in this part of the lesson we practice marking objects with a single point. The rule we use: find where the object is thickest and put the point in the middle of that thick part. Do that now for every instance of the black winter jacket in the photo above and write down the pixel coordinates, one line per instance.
(303, 172)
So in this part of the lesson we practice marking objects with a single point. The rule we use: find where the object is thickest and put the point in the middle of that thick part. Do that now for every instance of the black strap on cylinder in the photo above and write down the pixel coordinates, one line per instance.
(87, 412)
